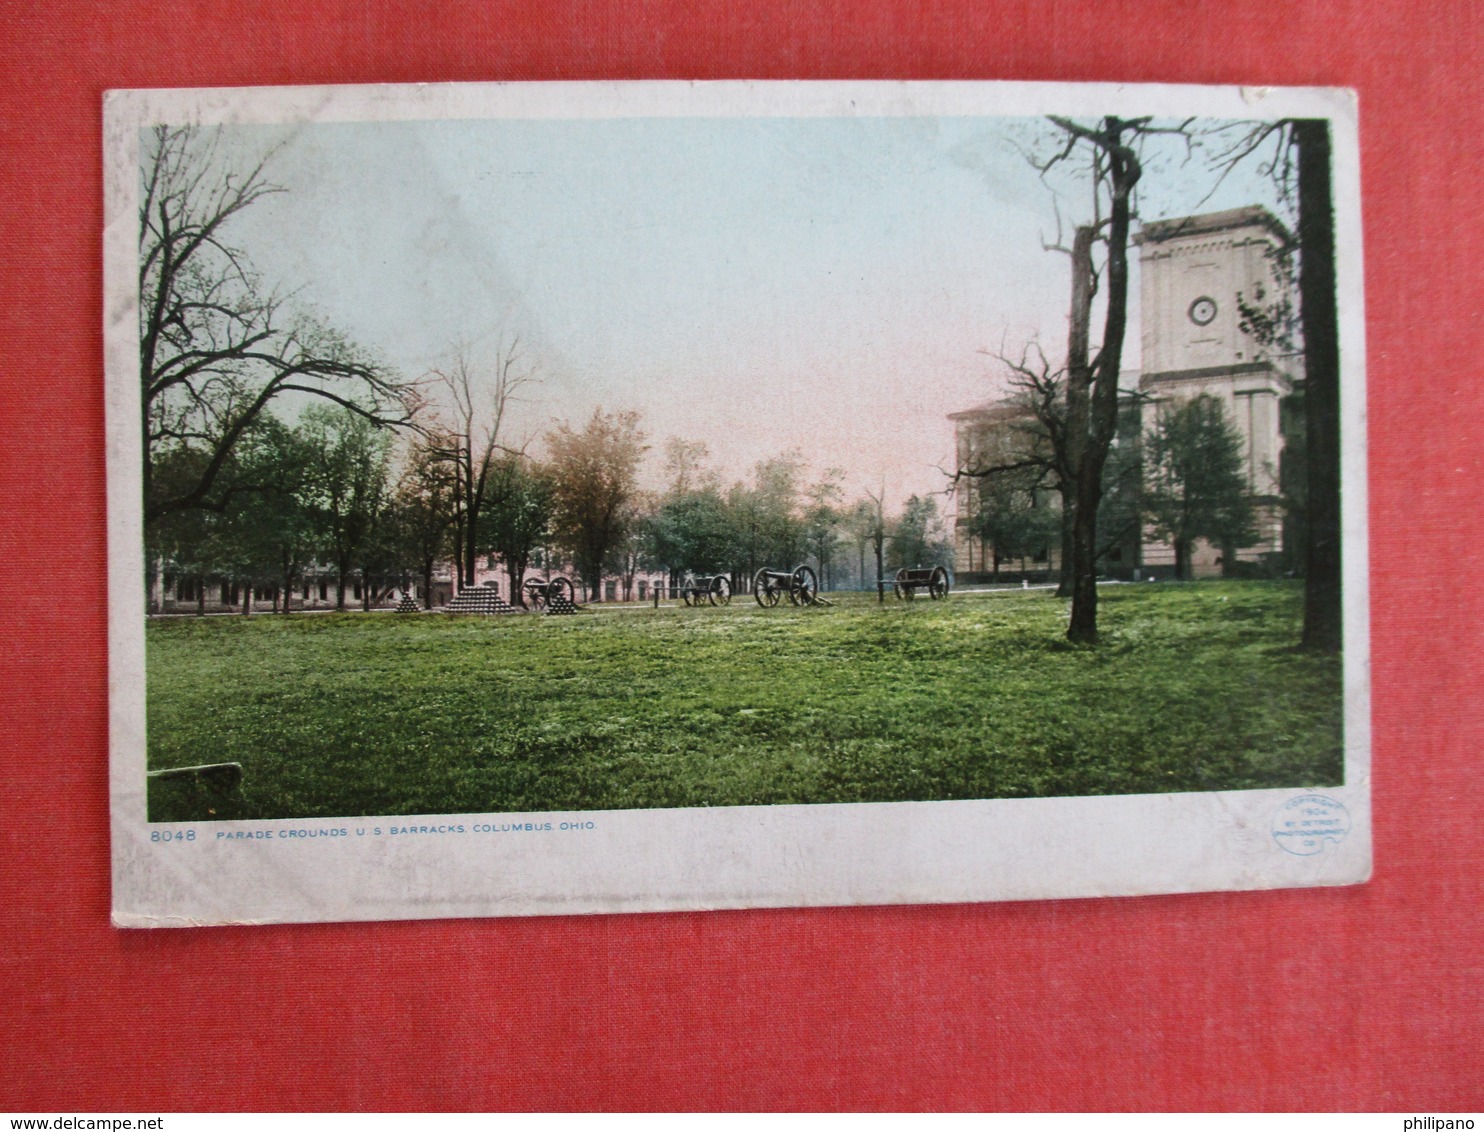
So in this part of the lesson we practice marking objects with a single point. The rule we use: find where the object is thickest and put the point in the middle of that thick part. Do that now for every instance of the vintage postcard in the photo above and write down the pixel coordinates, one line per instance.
(603, 497)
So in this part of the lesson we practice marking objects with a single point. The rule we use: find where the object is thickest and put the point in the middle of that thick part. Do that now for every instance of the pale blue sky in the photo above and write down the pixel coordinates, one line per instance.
(755, 283)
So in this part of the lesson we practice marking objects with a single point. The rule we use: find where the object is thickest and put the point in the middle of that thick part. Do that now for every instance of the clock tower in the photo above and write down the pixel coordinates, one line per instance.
(1196, 272)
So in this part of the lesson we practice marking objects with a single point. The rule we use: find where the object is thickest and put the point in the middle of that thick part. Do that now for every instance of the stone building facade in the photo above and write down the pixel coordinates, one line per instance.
(985, 436)
(1196, 275)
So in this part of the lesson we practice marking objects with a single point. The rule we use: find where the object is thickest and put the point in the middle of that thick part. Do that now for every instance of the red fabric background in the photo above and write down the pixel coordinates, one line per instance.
(1367, 997)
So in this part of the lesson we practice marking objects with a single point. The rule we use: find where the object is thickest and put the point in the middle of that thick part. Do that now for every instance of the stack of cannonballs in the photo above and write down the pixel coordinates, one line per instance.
(484, 599)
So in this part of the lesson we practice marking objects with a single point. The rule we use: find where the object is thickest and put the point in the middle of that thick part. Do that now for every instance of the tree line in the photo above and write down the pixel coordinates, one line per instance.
(337, 498)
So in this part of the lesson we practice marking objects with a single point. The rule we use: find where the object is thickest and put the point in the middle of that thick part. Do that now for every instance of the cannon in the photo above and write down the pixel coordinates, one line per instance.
(714, 588)
(801, 586)
(909, 581)
(540, 592)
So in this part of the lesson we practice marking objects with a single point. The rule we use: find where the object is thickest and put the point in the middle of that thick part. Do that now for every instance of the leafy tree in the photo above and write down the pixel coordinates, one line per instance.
(520, 520)
(766, 514)
(215, 349)
(866, 525)
(693, 532)
(1193, 482)
(178, 544)
(822, 522)
(594, 474)
(265, 537)
(420, 516)
(874, 512)
(349, 485)
(918, 537)
(691, 528)
(632, 549)
(1016, 516)
(1120, 511)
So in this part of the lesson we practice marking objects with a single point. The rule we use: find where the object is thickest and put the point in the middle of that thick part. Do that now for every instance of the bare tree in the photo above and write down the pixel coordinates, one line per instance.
(1033, 451)
(215, 350)
(471, 437)
(1109, 150)
(1077, 407)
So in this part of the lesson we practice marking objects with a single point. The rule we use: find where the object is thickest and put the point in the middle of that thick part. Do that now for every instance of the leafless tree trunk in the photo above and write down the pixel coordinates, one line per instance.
(1323, 621)
(1092, 384)
(288, 580)
(1301, 151)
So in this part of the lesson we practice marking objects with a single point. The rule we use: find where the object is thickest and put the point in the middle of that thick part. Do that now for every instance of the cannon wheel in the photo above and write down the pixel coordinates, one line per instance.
(804, 587)
(720, 590)
(560, 587)
(688, 592)
(904, 590)
(938, 584)
(764, 590)
(535, 594)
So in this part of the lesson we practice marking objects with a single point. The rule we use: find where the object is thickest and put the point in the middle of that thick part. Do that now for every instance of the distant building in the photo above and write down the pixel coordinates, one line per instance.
(985, 436)
(1196, 275)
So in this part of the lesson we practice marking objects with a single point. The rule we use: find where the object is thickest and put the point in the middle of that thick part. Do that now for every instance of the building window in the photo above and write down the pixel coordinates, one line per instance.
(324, 590)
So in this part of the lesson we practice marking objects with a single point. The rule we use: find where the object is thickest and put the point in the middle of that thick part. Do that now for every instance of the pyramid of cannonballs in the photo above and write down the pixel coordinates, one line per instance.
(408, 605)
(484, 599)
(559, 605)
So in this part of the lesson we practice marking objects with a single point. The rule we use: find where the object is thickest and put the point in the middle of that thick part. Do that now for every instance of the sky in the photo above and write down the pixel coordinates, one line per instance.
(836, 286)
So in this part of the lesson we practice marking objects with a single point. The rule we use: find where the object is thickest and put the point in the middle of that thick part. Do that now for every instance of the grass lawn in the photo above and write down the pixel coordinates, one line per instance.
(1195, 687)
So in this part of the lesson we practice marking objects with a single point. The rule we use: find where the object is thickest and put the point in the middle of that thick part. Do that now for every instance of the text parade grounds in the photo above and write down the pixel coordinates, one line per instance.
(1196, 687)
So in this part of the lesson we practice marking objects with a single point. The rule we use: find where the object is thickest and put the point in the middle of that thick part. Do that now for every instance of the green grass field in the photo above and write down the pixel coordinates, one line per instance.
(1195, 687)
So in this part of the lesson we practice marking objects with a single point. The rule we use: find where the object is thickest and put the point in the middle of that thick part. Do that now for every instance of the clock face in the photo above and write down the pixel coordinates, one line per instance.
(1203, 310)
